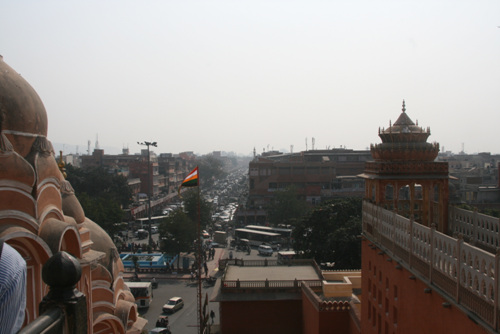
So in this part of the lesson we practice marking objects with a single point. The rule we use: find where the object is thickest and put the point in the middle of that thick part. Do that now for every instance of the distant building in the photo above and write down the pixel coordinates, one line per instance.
(474, 179)
(315, 175)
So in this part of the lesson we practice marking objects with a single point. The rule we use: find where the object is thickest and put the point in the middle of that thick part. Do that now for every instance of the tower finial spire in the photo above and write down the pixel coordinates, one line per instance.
(404, 106)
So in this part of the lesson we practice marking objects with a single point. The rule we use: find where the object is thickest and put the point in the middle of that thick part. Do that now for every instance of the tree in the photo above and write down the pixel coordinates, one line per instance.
(190, 199)
(177, 233)
(331, 233)
(101, 195)
(286, 207)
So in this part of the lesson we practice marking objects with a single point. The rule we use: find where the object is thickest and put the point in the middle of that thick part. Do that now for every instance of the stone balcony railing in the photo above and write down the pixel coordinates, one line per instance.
(465, 273)
(227, 285)
(477, 228)
(268, 285)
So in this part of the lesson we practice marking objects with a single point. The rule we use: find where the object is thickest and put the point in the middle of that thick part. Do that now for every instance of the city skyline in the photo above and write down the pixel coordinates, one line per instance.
(234, 76)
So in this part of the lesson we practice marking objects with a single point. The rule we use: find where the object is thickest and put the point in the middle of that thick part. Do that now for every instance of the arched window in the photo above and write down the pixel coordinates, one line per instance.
(404, 193)
(418, 191)
(389, 192)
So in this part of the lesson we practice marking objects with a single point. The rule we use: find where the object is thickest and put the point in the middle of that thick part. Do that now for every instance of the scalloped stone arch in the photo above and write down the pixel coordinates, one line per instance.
(107, 323)
(127, 312)
(12, 198)
(48, 194)
(20, 219)
(60, 235)
(36, 252)
(103, 299)
(51, 211)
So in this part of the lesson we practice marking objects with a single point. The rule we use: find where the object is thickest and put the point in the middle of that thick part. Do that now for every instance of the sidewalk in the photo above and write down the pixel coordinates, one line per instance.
(213, 269)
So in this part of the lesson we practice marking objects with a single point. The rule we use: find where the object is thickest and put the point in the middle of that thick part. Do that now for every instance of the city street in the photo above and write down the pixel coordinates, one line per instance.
(185, 320)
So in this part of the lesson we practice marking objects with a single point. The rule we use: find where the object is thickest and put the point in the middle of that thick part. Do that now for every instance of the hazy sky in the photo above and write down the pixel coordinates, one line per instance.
(233, 75)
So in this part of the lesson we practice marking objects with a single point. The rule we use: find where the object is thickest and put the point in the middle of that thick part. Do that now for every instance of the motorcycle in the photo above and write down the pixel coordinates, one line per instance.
(209, 281)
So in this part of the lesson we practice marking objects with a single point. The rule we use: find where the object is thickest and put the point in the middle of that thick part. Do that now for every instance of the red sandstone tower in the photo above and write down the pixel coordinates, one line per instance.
(413, 280)
(404, 176)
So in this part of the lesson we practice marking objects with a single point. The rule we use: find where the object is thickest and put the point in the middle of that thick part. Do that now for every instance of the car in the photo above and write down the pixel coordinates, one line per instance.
(154, 229)
(174, 304)
(265, 250)
(213, 244)
(160, 330)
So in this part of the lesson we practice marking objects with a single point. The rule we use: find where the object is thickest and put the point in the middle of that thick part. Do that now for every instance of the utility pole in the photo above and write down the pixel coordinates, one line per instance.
(147, 143)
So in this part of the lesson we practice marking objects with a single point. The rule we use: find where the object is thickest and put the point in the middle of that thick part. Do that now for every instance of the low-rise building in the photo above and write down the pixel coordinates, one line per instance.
(266, 296)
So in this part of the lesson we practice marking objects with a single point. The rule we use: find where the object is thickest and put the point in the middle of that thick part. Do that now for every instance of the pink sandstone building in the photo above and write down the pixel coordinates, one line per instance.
(40, 215)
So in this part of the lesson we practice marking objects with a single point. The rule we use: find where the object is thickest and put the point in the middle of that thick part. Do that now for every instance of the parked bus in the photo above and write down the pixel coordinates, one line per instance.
(256, 238)
(144, 222)
(285, 233)
(143, 293)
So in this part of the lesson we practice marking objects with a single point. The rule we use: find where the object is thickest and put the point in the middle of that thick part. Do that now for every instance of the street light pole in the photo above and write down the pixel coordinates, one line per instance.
(147, 143)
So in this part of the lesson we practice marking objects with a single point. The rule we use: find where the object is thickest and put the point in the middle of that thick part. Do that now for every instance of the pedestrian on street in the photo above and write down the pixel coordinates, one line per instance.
(212, 315)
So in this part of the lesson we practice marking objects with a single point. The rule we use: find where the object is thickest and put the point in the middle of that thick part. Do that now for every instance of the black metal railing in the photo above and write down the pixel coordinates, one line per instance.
(64, 309)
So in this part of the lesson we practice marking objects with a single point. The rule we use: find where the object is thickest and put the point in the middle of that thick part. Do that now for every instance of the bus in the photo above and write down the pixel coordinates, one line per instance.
(143, 293)
(144, 222)
(257, 238)
(285, 233)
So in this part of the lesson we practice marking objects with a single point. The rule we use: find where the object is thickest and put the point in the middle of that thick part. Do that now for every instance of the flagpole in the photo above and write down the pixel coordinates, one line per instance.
(198, 297)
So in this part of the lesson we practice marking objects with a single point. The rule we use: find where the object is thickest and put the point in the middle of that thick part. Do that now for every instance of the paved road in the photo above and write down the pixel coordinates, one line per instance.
(169, 285)
(184, 320)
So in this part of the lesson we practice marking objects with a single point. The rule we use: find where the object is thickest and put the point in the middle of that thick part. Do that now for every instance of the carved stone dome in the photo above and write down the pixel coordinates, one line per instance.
(22, 112)
(404, 141)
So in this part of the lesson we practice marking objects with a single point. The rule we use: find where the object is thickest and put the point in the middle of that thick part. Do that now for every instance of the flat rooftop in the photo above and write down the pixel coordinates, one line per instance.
(248, 282)
(271, 273)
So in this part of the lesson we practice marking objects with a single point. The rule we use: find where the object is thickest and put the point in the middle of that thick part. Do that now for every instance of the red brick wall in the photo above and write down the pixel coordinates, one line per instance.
(393, 303)
(318, 321)
(311, 316)
(250, 317)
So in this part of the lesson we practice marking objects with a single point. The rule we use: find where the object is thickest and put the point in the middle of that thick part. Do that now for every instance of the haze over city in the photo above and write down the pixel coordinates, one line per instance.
(237, 75)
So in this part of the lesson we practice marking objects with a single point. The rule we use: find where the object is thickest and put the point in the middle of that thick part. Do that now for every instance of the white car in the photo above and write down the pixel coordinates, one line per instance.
(174, 304)
(265, 250)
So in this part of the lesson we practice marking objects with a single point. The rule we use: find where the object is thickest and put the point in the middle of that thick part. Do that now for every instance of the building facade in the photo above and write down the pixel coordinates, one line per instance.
(315, 175)
(426, 266)
(293, 297)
